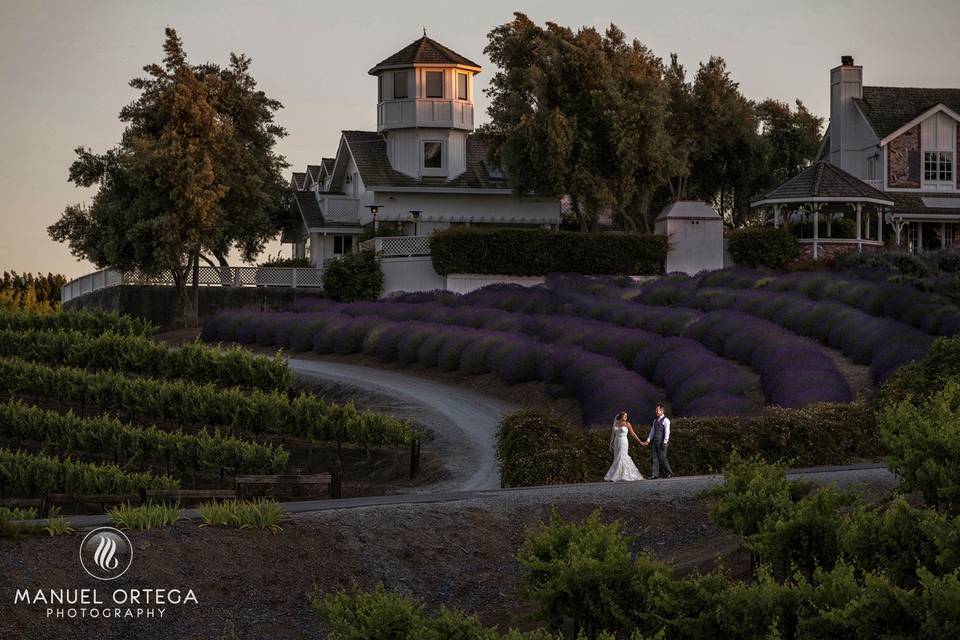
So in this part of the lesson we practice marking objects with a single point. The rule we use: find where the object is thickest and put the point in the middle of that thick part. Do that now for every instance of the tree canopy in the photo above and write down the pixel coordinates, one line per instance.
(602, 120)
(194, 173)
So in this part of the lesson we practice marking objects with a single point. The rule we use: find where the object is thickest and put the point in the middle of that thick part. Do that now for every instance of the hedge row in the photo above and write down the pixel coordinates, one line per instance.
(184, 402)
(134, 446)
(136, 354)
(90, 322)
(762, 247)
(23, 474)
(536, 252)
(535, 449)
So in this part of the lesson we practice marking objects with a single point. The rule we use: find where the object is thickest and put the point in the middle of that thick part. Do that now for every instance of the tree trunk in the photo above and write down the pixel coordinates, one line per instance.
(195, 319)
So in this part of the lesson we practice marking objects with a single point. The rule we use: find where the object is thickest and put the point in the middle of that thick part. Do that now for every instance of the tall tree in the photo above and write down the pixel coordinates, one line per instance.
(579, 114)
(792, 138)
(195, 172)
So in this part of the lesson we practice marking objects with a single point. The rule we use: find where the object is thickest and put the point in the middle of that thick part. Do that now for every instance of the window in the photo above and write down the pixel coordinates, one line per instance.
(873, 167)
(461, 86)
(399, 85)
(432, 155)
(434, 84)
(938, 166)
(342, 244)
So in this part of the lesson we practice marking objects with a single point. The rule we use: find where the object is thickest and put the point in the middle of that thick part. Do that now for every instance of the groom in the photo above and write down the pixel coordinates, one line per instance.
(659, 436)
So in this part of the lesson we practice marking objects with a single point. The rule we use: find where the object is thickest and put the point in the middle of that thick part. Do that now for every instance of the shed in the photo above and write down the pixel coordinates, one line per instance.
(695, 232)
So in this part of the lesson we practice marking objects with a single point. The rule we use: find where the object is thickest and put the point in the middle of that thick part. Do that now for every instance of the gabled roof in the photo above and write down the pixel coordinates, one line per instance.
(424, 51)
(888, 108)
(327, 164)
(297, 180)
(823, 182)
(313, 170)
(307, 204)
(369, 150)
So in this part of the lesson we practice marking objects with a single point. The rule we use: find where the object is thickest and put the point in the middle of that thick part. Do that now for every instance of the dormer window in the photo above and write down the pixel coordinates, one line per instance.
(399, 85)
(461, 86)
(434, 87)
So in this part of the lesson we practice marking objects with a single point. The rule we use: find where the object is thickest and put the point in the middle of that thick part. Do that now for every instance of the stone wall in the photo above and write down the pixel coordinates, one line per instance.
(161, 305)
(903, 160)
(828, 251)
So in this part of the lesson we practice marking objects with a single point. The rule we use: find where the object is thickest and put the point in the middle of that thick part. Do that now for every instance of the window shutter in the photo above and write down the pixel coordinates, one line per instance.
(913, 162)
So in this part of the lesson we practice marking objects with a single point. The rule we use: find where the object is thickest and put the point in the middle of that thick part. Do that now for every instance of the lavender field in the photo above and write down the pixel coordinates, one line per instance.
(722, 343)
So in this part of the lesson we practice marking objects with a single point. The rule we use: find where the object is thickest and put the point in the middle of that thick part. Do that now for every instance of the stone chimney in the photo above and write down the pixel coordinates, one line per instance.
(846, 83)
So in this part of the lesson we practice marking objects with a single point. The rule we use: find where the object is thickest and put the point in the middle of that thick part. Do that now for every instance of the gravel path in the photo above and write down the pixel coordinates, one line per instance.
(463, 423)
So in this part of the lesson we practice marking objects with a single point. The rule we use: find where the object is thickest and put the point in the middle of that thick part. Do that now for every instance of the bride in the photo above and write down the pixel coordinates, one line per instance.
(622, 468)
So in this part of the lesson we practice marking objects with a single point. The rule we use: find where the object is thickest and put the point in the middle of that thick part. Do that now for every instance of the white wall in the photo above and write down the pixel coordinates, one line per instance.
(695, 245)
(467, 282)
(410, 274)
(451, 207)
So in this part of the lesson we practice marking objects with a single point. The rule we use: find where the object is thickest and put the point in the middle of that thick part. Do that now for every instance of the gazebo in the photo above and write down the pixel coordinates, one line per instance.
(850, 211)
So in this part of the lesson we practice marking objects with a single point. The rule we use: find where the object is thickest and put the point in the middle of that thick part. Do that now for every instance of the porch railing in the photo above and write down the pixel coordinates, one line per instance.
(399, 246)
(206, 276)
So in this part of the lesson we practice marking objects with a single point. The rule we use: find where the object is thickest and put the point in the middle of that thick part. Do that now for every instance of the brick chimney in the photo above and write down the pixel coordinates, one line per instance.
(846, 83)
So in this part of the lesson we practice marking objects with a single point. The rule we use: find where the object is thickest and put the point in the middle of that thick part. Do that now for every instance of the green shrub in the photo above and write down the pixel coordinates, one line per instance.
(905, 263)
(919, 380)
(305, 416)
(577, 571)
(537, 252)
(752, 491)
(924, 445)
(948, 260)
(762, 247)
(136, 354)
(23, 474)
(260, 513)
(135, 446)
(89, 322)
(536, 449)
(147, 516)
(354, 276)
(277, 261)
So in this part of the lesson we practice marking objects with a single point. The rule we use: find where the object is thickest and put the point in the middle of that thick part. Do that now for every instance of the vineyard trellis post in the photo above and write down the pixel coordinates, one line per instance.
(414, 458)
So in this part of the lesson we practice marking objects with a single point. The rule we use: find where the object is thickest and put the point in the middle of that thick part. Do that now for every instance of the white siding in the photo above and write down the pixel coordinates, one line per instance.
(467, 207)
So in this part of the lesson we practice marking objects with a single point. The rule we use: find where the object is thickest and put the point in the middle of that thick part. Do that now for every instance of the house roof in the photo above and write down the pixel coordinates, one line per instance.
(925, 204)
(688, 210)
(888, 108)
(423, 51)
(308, 206)
(823, 181)
(313, 170)
(293, 231)
(369, 151)
(297, 180)
(327, 164)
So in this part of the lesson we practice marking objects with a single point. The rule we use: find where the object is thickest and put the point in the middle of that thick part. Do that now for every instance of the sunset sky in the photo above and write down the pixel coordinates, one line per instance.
(64, 68)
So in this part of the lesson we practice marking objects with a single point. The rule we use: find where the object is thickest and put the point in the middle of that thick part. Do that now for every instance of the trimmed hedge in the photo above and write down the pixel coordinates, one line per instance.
(537, 252)
(536, 449)
(762, 247)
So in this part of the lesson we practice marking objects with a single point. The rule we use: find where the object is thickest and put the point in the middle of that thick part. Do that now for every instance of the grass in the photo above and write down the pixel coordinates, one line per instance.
(56, 524)
(261, 513)
(148, 516)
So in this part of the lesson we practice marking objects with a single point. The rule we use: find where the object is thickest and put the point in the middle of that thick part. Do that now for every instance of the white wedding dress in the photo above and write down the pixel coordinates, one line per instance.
(622, 469)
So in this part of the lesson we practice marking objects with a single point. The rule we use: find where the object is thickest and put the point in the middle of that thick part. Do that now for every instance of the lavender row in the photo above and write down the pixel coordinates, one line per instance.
(885, 345)
(696, 380)
(601, 386)
(771, 345)
(927, 312)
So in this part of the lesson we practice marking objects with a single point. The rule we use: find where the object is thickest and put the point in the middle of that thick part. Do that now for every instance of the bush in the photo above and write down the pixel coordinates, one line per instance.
(919, 380)
(762, 247)
(354, 276)
(924, 443)
(148, 516)
(899, 261)
(537, 252)
(260, 513)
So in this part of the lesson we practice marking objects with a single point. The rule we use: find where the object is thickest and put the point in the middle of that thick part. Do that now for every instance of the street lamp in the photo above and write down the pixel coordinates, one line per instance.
(415, 214)
(374, 208)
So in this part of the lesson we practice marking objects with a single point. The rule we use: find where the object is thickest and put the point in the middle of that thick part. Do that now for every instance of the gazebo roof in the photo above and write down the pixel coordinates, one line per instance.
(823, 182)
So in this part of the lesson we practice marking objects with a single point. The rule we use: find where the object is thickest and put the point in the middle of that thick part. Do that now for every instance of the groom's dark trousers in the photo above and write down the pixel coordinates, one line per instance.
(658, 452)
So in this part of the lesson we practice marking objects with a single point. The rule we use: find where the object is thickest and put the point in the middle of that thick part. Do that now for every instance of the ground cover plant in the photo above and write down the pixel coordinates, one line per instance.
(146, 516)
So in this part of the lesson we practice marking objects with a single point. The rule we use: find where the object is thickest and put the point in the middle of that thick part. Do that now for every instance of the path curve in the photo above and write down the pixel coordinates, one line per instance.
(464, 422)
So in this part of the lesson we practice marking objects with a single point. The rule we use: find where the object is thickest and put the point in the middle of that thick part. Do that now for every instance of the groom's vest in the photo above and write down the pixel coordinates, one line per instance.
(658, 431)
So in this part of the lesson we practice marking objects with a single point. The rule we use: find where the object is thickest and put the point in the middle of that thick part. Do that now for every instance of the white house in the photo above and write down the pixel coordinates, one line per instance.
(890, 155)
(422, 170)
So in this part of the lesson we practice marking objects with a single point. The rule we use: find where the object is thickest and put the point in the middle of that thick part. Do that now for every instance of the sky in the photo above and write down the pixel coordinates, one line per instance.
(64, 68)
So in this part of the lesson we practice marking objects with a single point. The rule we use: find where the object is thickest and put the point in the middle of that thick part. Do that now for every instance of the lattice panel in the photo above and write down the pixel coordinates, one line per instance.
(406, 246)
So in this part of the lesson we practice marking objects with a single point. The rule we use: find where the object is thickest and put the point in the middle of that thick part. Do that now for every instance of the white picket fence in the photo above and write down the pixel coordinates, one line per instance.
(399, 246)
(206, 276)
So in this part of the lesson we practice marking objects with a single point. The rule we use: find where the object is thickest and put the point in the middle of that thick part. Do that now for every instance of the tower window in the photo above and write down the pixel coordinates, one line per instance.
(461, 86)
(432, 155)
(434, 84)
(399, 85)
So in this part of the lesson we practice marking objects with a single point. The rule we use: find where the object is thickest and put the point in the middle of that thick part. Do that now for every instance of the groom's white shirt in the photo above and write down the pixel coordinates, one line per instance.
(666, 430)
